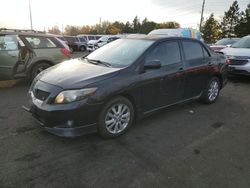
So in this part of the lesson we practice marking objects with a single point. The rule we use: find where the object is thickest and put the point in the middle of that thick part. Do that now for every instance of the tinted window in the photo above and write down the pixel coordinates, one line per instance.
(40, 42)
(8, 42)
(167, 52)
(91, 38)
(192, 50)
(82, 39)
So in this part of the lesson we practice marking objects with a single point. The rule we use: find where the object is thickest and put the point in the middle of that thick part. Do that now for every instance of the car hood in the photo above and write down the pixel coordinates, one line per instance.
(76, 73)
(236, 51)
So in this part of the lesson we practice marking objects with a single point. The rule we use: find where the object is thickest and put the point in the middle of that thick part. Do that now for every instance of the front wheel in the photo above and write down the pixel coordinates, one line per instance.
(116, 117)
(212, 91)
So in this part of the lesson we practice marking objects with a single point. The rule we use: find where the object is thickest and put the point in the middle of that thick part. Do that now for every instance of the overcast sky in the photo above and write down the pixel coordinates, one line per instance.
(46, 13)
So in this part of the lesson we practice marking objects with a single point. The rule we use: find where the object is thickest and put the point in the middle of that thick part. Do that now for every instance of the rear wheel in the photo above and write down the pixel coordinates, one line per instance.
(212, 91)
(82, 48)
(116, 117)
(37, 69)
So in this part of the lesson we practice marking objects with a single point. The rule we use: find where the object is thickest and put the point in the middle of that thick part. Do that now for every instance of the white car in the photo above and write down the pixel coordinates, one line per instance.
(95, 44)
(238, 56)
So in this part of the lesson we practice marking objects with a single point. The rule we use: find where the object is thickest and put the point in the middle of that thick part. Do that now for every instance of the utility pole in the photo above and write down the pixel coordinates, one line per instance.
(202, 11)
(31, 25)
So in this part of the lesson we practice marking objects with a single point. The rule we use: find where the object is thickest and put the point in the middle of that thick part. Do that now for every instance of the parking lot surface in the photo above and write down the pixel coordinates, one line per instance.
(189, 145)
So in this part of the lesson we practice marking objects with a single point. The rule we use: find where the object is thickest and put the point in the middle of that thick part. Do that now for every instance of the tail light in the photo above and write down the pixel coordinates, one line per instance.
(66, 52)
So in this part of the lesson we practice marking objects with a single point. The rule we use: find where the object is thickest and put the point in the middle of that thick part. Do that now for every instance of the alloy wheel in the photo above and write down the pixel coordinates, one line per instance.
(213, 90)
(117, 118)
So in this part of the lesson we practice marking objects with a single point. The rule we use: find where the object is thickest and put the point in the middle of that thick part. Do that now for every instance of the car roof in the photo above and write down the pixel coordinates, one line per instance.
(26, 33)
(158, 37)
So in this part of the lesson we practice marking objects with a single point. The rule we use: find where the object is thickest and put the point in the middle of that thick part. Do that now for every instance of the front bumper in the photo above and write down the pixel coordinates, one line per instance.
(67, 120)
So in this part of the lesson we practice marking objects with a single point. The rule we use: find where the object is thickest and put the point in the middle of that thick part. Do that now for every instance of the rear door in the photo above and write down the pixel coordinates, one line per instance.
(197, 68)
(45, 48)
(9, 56)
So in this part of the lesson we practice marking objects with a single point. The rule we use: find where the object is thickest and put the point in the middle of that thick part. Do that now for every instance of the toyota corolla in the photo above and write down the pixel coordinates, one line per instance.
(124, 80)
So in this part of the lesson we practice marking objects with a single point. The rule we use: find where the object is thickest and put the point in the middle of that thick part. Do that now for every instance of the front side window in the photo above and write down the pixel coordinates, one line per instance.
(192, 50)
(167, 53)
(122, 52)
(40, 42)
(8, 43)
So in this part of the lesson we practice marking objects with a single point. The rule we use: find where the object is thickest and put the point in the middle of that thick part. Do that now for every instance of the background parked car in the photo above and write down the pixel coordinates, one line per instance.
(27, 53)
(95, 44)
(76, 43)
(238, 56)
(89, 37)
(223, 43)
(181, 32)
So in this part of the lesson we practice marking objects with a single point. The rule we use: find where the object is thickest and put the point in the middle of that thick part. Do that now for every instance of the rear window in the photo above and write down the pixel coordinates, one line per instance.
(40, 42)
(192, 50)
(8, 43)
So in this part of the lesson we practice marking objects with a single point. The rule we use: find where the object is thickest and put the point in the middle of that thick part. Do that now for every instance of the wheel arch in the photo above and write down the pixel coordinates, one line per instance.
(220, 79)
(129, 97)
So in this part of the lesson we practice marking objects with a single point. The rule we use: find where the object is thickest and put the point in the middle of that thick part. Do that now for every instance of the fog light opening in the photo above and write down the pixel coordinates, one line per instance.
(70, 123)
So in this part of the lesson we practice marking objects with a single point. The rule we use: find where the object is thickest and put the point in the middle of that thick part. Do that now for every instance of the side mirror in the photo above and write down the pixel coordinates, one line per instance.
(153, 64)
(228, 45)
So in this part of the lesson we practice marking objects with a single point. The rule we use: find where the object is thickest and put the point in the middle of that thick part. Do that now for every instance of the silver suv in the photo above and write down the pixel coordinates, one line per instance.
(25, 53)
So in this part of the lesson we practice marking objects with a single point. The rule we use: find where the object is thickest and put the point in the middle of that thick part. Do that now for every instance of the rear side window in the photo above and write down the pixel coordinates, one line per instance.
(192, 50)
(167, 52)
(40, 42)
(8, 43)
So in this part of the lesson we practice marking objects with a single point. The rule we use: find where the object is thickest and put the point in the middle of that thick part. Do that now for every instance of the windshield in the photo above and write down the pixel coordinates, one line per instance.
(122, 52)
(103, 39)
(226, 41)
(242, 43)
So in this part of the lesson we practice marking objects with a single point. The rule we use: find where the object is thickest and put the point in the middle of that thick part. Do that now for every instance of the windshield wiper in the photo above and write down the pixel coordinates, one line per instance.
(96, 62)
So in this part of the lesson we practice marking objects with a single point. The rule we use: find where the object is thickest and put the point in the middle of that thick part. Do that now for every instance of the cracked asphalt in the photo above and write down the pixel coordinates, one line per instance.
(190, 145)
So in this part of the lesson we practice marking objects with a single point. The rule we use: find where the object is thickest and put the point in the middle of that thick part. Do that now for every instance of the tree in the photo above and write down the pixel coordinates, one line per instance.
(165, 25)
(211, 30)
(54, 30)
(136, 25)
(147, 26)
(243, 28)
(230, 20)
(127, 28)
(72, 30)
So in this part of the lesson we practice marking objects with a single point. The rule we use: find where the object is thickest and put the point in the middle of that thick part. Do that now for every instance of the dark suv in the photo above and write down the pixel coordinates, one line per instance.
(25, 53)
(125, 79)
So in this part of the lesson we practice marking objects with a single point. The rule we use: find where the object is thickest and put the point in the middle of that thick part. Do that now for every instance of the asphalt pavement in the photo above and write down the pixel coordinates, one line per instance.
(187, 146)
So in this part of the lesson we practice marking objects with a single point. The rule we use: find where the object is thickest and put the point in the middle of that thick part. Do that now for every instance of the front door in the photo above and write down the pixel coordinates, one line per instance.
(9, 55)
(163, 86)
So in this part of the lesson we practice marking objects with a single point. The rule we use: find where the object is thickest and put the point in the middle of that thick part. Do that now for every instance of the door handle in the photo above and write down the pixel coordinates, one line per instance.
(180, 69)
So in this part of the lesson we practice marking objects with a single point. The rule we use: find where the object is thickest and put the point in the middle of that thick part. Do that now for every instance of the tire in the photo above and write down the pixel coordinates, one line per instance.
(112, 123)
(36, 69)
(212, 91)
(82, 48)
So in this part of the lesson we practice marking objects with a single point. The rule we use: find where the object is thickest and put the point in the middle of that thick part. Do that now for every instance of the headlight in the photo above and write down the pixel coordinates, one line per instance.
(74, 95)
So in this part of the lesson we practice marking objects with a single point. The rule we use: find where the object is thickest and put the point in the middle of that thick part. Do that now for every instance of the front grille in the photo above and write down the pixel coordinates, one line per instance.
(238, 61)
(41, 95)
